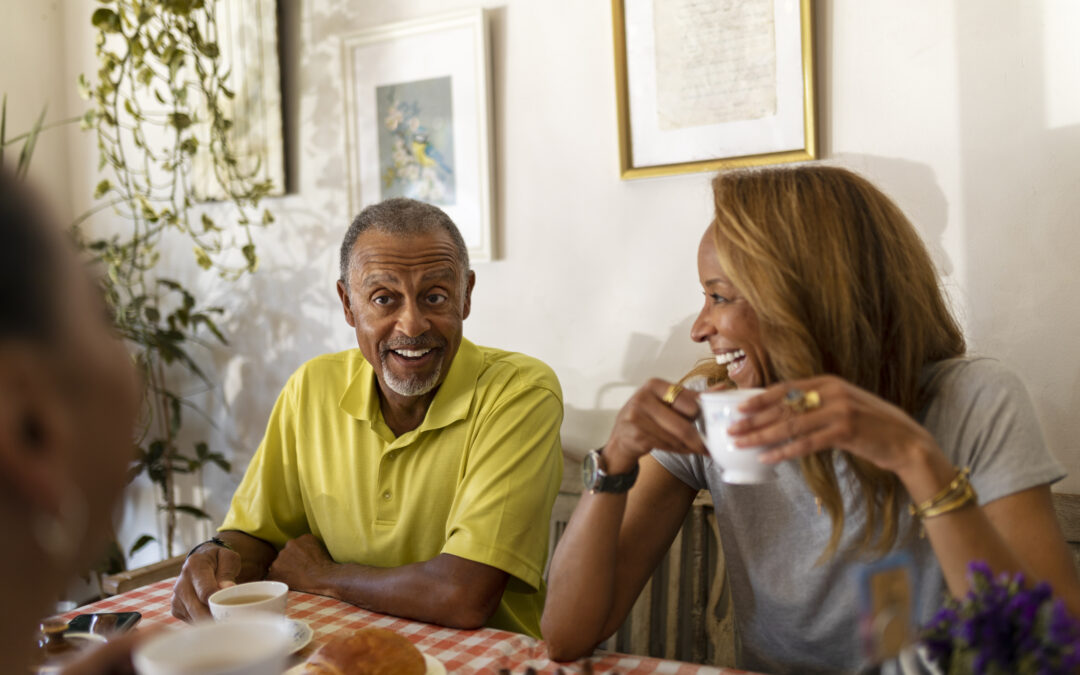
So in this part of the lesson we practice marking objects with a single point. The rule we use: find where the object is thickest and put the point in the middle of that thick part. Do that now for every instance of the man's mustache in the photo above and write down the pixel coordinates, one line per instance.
(421, 342)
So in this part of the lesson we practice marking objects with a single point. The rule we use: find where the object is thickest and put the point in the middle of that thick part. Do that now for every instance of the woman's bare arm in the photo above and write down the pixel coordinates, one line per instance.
(611, 546)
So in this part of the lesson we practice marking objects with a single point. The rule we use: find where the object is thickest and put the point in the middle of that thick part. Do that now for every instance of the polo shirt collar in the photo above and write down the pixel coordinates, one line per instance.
(451, 402)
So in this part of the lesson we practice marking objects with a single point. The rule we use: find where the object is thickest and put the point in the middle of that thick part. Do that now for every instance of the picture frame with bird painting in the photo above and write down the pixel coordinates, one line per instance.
(417, 117)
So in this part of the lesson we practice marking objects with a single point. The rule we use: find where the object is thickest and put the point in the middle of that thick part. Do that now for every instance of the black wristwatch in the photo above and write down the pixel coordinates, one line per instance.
(598, 480)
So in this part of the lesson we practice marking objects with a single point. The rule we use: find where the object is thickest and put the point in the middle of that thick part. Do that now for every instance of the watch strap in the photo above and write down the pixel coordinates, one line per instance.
(613, 483)
(620, 482)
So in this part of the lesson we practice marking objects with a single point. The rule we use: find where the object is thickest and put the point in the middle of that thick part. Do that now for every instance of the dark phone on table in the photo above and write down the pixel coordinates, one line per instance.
(103, 623)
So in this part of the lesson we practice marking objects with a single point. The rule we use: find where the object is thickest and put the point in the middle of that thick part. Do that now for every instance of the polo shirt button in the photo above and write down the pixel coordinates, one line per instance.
(393, 454)
(386, 496)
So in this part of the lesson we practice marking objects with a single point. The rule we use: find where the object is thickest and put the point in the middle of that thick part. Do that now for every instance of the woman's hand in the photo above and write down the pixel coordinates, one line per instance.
(847, 418)
(647, 422)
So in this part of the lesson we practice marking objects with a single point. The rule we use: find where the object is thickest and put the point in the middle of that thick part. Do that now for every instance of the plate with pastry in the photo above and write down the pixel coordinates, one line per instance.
(369, 651)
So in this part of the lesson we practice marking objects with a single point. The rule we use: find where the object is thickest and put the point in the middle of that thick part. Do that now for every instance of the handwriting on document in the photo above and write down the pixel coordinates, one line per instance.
(715, 61)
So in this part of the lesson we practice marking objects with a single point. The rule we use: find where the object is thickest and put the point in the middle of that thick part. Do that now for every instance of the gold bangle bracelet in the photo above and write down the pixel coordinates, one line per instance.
(966, 497)
(954, 488)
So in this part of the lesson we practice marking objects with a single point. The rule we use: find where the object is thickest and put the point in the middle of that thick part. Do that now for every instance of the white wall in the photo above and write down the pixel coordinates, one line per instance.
(32, 54)
(967, 112)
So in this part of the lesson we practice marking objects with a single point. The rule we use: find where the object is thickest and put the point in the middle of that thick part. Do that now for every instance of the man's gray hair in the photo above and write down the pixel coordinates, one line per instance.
(404, 217)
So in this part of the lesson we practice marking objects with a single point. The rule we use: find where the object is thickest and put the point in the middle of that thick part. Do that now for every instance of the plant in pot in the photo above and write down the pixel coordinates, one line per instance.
(159, 111)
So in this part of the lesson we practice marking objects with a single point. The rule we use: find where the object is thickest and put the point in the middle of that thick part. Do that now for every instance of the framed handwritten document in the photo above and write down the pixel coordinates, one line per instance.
(703, 85)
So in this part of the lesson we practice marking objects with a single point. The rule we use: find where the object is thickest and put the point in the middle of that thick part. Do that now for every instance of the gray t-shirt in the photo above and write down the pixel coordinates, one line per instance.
(793, 616)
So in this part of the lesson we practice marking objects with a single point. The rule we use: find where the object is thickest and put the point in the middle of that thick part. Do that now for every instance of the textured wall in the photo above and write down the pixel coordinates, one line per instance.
(966, 111)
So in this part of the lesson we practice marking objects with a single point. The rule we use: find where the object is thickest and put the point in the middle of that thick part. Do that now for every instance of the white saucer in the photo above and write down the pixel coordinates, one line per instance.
(301, 635)
(84, 639)
(434, 667)
(80, 641)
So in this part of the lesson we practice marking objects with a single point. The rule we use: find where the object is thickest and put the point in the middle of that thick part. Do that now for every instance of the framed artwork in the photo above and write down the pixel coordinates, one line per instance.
(247, 36)
(417, 115)
(704, 85)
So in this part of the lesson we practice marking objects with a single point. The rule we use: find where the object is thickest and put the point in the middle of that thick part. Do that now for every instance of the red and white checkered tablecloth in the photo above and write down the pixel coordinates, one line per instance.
(487, 650)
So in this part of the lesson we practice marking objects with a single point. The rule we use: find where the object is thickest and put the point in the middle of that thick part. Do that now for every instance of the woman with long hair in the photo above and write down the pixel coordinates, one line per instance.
(820, 291)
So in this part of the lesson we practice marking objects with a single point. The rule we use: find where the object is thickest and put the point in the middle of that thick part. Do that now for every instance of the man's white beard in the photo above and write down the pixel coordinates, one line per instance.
(410, 386)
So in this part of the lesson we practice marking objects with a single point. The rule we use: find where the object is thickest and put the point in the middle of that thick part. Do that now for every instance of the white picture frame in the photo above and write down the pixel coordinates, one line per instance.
(417, 119)
(705, 86)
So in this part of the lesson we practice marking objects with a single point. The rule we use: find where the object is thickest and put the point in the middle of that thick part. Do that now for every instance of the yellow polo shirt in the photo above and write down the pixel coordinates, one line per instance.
(476, 479)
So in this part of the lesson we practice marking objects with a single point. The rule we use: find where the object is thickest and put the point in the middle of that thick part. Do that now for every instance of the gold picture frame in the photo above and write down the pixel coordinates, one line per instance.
(664, 88)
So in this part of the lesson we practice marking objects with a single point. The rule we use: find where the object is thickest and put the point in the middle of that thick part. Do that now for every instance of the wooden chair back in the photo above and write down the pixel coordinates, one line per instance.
(1067, 507)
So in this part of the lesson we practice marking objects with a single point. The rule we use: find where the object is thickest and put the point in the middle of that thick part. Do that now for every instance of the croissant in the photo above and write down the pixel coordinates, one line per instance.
(368, 651)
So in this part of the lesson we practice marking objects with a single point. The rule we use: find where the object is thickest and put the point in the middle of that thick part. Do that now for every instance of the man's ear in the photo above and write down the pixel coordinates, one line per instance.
(346, 303)
(470, 282)
(33, 435)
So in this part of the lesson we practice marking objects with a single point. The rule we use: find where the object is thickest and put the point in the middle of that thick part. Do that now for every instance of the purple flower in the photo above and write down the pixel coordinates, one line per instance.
(1000, 626)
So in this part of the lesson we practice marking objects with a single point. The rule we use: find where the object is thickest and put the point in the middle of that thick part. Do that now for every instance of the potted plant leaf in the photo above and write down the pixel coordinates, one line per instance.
(159, 110)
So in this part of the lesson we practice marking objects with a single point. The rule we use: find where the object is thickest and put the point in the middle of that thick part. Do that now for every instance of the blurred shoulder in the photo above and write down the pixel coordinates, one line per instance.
(971, 374)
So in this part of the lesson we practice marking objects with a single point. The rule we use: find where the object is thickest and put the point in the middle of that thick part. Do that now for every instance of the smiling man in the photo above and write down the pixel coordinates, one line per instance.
(413, 476)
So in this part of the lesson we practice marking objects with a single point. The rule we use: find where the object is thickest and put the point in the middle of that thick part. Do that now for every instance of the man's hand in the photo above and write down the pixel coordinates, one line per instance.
(206, 571)
(303, 564)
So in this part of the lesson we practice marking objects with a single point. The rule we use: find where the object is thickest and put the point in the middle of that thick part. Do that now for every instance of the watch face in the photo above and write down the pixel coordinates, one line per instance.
(590, 470)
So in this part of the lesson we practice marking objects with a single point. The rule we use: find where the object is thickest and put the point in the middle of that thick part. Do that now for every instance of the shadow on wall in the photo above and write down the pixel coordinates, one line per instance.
(914, 188)
(290, 311)
(288, 316)
(645, 357)
(1020, 162)
(314, 61)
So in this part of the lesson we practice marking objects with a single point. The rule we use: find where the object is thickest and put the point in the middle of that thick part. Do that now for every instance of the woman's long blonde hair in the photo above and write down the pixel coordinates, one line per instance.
(841, 283)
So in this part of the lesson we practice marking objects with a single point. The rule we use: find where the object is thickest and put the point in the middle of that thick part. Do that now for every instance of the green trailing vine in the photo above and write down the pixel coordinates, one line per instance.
(159, 111)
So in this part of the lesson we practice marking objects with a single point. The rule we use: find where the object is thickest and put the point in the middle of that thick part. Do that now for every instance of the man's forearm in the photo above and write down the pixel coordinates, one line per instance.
(446, 590)
(256, 555)
(422, 591)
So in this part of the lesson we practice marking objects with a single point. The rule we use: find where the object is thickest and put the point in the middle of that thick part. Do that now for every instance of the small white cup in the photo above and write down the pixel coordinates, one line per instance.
(252, 645)
(719, 410)
(256, 597)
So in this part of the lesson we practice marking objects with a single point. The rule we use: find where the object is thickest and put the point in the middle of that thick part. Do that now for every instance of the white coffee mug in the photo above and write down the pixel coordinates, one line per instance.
(251, 645)
(719, 410)
(255, 597)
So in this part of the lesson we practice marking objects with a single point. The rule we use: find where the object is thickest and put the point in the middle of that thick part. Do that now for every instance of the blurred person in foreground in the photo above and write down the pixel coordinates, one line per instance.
(413, 476)
(819, 290)
(68, 400)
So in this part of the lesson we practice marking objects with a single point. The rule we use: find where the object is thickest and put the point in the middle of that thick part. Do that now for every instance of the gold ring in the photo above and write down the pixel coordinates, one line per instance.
(799, 401)
(671, 394)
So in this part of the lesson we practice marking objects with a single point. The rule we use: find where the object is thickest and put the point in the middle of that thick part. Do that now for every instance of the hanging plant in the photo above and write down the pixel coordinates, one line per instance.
(159, 109)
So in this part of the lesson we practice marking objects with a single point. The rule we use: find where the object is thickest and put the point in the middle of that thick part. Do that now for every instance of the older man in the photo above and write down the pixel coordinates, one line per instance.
(413, 476)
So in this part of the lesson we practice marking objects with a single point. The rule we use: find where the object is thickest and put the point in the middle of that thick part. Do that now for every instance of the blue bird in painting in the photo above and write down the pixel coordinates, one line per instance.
(426, 154)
